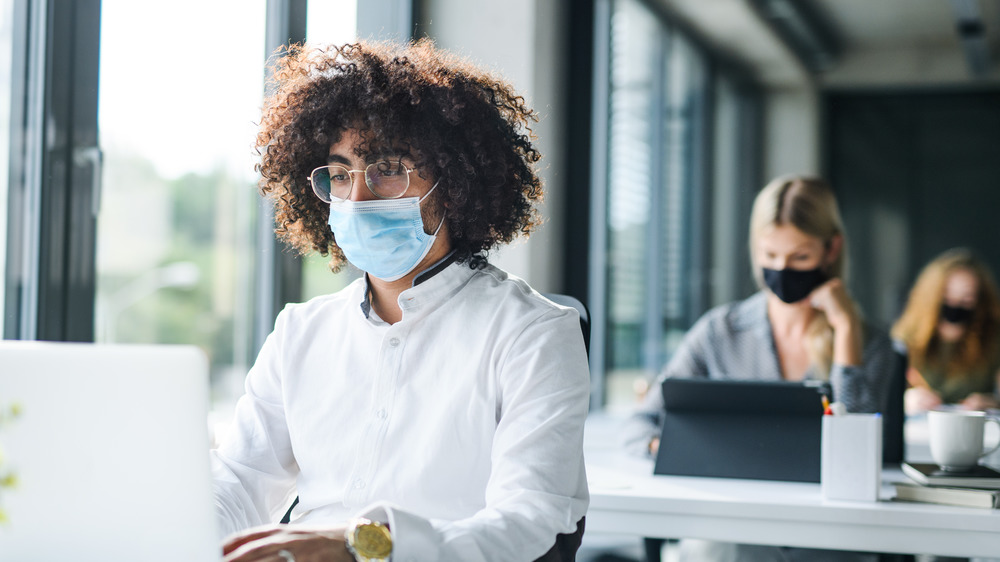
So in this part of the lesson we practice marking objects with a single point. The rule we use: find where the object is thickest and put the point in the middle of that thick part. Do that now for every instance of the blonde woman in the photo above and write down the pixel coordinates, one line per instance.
(801, 325)
(951, 328)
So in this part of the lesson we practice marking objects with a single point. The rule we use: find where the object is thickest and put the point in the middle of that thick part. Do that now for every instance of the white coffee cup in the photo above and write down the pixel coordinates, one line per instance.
(957, 438)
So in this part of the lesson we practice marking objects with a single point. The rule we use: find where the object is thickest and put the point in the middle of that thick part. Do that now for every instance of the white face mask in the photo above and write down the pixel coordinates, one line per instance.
(383, 237)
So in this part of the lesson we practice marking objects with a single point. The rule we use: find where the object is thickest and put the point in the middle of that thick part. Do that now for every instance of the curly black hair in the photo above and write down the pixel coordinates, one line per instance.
(461, 125)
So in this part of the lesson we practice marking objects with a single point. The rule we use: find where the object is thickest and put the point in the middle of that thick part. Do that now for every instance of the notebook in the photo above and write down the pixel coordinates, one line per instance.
(967, 497)
(741, 429)
(110, 452)
(929, 474)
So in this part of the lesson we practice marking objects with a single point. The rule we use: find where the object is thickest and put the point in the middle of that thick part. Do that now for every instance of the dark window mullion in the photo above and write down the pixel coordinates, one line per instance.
(21, 272)
(599, 239)
(82, 186)
(50, 281)
(652, 352)
(279, 272)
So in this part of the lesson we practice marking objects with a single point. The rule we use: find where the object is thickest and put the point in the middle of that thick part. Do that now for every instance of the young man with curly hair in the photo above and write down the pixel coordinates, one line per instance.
(434, 408)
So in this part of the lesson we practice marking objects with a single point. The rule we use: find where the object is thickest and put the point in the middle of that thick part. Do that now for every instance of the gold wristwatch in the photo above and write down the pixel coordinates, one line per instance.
(369, 541)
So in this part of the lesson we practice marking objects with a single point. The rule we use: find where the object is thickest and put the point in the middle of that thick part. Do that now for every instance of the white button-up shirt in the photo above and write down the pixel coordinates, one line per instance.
(460, 425)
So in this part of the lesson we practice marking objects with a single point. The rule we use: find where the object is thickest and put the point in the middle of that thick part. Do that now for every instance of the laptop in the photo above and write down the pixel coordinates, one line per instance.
(110, 451)
(741, 429)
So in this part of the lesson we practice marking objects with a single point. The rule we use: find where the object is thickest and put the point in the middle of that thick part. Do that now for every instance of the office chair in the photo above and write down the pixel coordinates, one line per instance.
(893, 418)
(573, 302)
(567, 544)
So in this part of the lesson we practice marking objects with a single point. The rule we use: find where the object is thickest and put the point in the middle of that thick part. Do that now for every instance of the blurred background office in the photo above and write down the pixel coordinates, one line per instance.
(128, 210)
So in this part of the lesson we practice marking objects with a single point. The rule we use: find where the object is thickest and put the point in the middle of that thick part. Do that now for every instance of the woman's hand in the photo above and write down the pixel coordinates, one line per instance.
(919, 399)
(979, 401)
(833, 300)
(285, 543)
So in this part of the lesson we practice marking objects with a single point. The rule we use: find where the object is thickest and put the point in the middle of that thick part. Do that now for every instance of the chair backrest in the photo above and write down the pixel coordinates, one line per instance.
(894, 417)
(566, 546)
(566, 300)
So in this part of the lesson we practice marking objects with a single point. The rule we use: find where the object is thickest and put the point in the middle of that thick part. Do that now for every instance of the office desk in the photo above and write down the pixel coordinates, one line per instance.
(627, 498)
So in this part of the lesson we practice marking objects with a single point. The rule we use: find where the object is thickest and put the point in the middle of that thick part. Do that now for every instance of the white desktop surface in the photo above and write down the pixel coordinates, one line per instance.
(627, 498)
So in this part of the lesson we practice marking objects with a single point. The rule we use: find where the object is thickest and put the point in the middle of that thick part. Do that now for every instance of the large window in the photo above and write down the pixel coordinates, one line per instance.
(175, 243)
(154, 234)
(179, 221)
(654, 194)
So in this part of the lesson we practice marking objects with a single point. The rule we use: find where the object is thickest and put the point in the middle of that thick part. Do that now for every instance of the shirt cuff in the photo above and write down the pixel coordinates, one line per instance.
(413, 537)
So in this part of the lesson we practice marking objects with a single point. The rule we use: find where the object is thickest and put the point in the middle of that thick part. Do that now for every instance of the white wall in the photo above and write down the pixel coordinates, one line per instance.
(521, 40)
(791, 131)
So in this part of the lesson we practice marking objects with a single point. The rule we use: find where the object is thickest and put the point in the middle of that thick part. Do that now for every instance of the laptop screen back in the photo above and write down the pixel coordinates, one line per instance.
(741, 429)
(110, 451)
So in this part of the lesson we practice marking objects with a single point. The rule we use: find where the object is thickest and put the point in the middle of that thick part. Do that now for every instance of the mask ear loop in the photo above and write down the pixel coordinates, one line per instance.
(436, 230)
(431, 190)
(445, 214)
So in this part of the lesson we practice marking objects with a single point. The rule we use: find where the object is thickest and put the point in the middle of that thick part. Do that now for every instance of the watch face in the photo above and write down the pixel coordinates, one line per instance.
(373, 540)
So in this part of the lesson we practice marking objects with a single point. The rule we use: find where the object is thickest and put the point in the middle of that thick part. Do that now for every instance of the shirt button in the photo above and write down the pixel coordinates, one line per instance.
(394, 342)
(359, 483)
(381, 413)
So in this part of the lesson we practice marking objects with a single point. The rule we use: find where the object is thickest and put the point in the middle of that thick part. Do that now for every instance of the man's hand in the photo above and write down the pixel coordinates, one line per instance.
(285, 543)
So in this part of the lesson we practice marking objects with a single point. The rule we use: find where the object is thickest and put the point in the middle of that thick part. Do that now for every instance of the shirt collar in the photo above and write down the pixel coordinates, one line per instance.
(433, 270)
(422, 277)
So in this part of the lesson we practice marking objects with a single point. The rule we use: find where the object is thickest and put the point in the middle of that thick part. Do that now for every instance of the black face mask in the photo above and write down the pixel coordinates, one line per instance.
(956, 314)
(793, 285)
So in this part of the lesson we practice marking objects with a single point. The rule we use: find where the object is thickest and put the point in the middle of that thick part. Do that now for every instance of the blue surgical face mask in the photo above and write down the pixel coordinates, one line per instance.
(383, 237)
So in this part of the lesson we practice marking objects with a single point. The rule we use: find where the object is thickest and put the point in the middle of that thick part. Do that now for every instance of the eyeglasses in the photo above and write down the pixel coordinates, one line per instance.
(386, 179)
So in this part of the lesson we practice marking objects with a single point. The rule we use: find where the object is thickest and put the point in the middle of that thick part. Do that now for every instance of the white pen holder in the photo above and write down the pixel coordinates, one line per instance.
(851, 466)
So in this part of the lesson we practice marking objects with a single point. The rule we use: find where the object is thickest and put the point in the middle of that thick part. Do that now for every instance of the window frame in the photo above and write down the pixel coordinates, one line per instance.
(708, 260)
(54, 182)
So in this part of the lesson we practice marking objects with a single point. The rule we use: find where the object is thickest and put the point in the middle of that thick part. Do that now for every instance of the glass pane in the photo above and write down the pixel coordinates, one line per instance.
(332, 21)
(677, 220)
(328, 22)
(6, 22)
(180, 92)
(635, 53)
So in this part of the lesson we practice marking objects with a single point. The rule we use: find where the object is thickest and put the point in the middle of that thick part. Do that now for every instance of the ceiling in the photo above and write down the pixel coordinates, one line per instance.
(907, 42)
(907, 24)
(883, 42)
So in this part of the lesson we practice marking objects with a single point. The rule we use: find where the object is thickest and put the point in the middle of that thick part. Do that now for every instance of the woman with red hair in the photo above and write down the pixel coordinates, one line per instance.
(951, 327)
